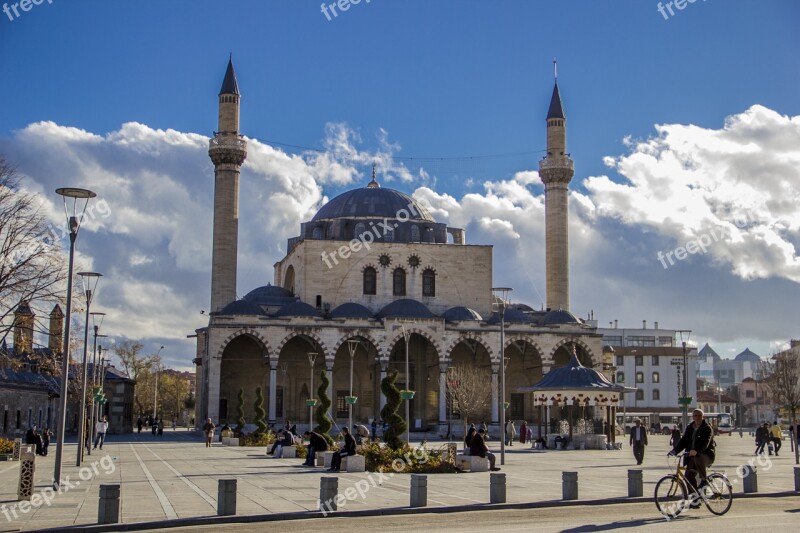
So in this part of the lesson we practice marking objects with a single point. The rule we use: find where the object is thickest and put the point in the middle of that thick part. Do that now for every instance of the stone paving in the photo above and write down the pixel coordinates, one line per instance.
(175, 476)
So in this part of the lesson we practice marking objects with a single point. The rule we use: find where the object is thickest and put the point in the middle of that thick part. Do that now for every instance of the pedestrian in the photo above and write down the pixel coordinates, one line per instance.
(374, 427)
(674, 436)
(468, 438)
(348, 449)
(762, 436)
(46, 434)
(511, 432)
(208, 431)
(362, 433)
(174, 423)
(316, 444)
(776, 436)
(139, 424)
(478, 448)
(154, 426)
(523, 432)
(161, 427)
(638, 441)
(100, 428)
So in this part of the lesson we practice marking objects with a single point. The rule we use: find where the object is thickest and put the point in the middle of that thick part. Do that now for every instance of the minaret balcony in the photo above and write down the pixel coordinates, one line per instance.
(556, 162)
(227, 149)
(227, 141)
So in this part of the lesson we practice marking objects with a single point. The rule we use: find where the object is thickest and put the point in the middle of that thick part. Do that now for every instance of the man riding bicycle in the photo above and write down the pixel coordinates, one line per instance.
(699, 441)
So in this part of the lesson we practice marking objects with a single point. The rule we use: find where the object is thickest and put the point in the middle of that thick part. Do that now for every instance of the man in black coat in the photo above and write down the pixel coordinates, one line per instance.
(699, 441)
(638, 441)
(478, 448)
(283, 438)
(349, 448)
(316, 444)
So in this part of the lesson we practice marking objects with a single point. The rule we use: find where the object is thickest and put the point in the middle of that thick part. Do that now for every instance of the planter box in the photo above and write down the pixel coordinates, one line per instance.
(473, 463)
(354, 463)
(328, 458)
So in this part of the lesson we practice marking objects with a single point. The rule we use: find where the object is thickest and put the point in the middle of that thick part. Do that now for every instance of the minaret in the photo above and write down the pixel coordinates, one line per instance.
(556, 171)
(228, 151)
(23, 328)
(56, 342)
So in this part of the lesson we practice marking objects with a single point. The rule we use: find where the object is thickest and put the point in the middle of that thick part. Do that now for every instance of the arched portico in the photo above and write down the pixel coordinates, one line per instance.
(293, 387)
(243, 366)
(366, 381)
(423, 378)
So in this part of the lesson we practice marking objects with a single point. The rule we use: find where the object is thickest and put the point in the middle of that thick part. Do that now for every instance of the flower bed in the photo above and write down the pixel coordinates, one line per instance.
(420, 460)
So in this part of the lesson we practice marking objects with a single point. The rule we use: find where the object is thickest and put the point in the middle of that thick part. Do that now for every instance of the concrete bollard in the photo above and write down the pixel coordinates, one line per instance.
(497, 488)
(749, 478)
(797, 479)
(635, 489)
(226, 497)
(569, 485)
(108, 506)
(328, 493)
(419, 490)
(27, 469)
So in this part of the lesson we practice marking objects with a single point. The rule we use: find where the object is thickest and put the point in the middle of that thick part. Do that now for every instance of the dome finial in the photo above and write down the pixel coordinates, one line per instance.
(373, 184)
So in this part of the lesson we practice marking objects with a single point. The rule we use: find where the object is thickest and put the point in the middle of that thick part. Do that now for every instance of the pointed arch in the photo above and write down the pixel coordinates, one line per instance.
(250, 332)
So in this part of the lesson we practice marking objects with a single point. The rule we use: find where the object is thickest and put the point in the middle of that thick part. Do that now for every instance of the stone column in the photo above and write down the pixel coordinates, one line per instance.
(212, 401)
(443, 394)
(384, 365)
(495, 393)
(273, 392)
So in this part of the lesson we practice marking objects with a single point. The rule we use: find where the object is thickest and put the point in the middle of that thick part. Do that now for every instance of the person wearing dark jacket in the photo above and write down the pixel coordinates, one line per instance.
(478, 448)
(468, 439)
(762, 437)
(284, 438)
(675, 436)
(316, 444)
(349, 448)
(699, 441)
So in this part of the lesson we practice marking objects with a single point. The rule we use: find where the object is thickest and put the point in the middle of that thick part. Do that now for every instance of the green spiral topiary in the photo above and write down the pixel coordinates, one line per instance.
(396, 424)
(240, 411)
(324, 423)
(260, 413)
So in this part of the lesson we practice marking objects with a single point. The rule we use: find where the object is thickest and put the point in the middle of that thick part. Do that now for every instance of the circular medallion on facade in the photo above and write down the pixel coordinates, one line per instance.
(413, 261)
(385, 260)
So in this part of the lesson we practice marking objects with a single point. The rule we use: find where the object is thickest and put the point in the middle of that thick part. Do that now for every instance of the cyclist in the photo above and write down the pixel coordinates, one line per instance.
(699, 441)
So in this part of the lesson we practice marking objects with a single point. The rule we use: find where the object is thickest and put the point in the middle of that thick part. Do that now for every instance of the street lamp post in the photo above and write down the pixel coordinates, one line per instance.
(89, 281)
(158, 375)
(352, 346)
(73, 223)
(502, 308)
(312, 357)
(97, 321)
(406, 336)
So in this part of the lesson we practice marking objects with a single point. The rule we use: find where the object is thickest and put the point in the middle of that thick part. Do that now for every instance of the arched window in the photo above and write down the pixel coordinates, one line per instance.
(329, 231)
(639, 394)
(656, 394)
(428, 282)
(361, 228)
(656, 378)
(389, 235)
(370, 277)
(316, 233)
(399, 282)
(414, 233)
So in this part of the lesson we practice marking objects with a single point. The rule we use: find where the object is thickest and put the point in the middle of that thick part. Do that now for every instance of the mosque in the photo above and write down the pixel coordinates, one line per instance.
(372, 285)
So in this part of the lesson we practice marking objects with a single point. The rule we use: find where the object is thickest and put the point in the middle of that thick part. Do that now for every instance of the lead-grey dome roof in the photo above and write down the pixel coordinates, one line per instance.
(372, 202)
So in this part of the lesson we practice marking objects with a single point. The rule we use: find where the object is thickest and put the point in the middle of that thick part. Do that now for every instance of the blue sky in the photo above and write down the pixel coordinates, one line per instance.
(442, 79)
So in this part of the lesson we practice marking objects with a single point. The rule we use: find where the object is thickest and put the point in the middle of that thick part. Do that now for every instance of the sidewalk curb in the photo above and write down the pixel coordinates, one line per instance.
(390, 511)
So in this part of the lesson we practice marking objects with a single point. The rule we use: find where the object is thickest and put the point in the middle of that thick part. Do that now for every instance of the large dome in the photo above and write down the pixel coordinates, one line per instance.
(372, 202)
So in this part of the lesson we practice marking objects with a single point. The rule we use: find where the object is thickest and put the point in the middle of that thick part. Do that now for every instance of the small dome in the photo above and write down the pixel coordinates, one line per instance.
(457, 314)
(351, 310)
(297, 308)
(270, 295)
(405, 308)
(559, 316)
(510, 316)
(242, 307)
(372, 202)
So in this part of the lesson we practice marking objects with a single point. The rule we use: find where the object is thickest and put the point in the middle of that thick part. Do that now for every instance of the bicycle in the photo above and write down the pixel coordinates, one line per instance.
(672, 492)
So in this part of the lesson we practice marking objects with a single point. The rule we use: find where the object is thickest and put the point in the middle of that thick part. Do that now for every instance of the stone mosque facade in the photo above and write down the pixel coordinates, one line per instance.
(374, 266)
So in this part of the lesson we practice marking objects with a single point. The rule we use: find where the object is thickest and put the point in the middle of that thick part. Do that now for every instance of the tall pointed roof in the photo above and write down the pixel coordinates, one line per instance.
(229, 84)
(556, 110)
(707, 352)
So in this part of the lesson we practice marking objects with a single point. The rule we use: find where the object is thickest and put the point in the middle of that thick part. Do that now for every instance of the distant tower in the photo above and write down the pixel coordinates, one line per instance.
(23, 328)
(556, 171)
(228, 151)
(56, 342)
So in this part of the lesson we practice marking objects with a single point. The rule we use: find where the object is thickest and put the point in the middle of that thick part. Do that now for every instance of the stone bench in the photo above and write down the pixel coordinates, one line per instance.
(230, 441)
(328, 458)
(473, 463)
(319, 460)
(287, 452)
(354, 463)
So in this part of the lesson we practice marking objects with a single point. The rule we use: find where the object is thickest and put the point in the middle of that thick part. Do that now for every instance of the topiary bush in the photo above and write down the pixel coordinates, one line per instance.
(260, 413)
(240, 413)
(396, 424)
(324, 423)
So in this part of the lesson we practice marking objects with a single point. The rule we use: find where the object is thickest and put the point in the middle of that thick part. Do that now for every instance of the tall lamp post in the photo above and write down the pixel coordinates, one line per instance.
(502, 308)
(352, 346)
(97, 321)
(89, 281)
(406, 337)
(686, 399)
(158, 375)
(74, 221)
(312, 357)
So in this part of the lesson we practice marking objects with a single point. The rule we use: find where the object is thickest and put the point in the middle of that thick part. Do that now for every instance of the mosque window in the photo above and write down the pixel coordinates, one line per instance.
(399, 282)
(413, 261)
(329, 231)
(370, 280)
(414, 233)
(361, 228)
(389, 235)
(316, 233)
(385, 260)
(428, 282)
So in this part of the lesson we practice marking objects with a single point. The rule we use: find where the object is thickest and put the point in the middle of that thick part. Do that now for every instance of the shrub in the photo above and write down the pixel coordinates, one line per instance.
(6, 445)
(324, 423)
(240, 412)
(421, 460)
(389, 413)
(257, 439)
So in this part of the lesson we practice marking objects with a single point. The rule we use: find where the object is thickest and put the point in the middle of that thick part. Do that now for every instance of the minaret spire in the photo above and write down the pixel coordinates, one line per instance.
(555, 69)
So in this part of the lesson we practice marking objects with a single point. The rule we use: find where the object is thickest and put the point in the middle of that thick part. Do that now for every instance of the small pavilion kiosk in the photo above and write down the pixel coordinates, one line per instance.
(577, 391)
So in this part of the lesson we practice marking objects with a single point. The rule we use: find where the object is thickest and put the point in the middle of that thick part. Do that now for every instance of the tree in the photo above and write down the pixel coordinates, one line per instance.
(139, 368)
(240, 411)
(260, 413)
(32, 263)
(782, 379)
(324, 423)
(396, 424)
(469, 390)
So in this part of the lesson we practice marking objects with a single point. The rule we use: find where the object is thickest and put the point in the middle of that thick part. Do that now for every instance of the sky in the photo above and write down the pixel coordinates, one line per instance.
(684, 129)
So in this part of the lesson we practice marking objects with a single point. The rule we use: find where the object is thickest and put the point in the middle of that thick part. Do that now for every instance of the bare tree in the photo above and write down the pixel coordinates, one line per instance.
(469, 390)
(782, 379)
(32, 265)
(139, 368)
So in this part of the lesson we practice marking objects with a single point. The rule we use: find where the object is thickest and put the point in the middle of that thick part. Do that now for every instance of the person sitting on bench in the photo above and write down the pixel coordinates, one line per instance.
(349, 448)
